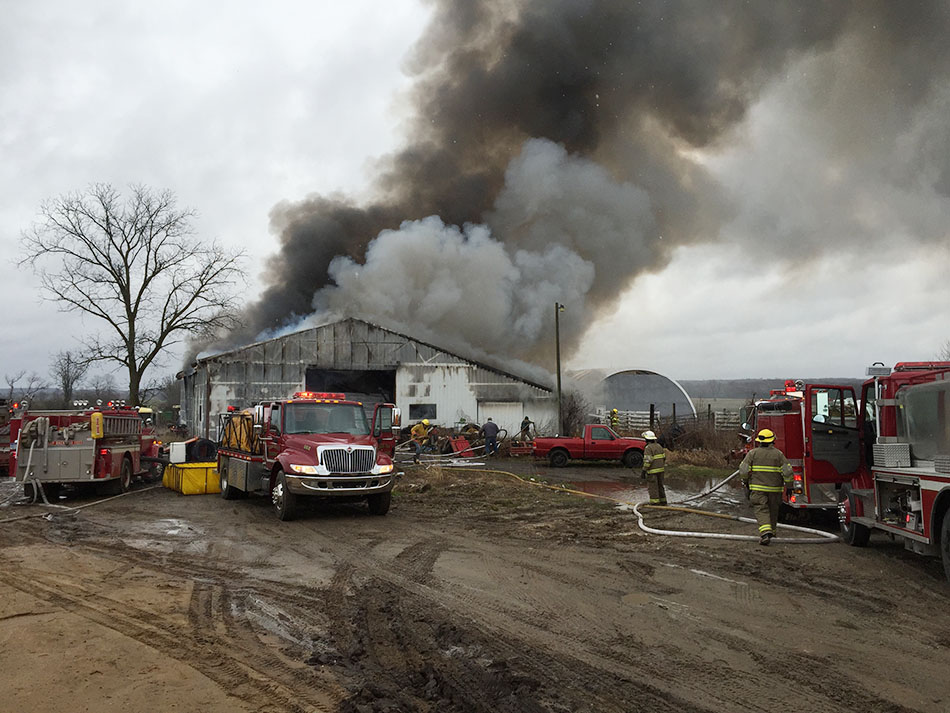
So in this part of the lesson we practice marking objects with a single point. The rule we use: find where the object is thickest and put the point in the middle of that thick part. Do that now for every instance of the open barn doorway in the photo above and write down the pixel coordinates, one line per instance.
(371, 386)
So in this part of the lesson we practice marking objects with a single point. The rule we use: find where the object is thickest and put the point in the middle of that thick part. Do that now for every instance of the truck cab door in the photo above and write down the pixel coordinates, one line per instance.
(602, 443)
(833, 444)
(385, 427)
(271, 434)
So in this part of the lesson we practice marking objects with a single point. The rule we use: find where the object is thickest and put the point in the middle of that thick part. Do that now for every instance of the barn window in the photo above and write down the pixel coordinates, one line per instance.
(419, 411)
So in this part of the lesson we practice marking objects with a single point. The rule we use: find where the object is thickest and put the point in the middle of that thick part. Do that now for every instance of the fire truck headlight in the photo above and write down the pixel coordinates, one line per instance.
(307, 469)
(387, 468)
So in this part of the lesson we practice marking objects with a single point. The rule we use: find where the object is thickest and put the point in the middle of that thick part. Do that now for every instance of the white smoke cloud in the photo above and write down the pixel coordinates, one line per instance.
(562, 230)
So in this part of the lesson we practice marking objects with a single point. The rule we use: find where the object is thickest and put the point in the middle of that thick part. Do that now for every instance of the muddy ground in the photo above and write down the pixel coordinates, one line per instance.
(476, 593)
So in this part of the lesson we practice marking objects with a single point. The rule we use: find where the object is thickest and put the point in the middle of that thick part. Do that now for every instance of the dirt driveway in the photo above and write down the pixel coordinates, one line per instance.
(475, 593)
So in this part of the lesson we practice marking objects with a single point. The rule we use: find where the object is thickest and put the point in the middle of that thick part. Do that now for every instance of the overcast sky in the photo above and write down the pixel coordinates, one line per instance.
(240, 106)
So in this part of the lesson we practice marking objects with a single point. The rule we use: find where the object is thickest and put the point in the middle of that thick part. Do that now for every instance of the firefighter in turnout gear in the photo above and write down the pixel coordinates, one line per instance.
(420, 438)
(654, 463)
(614, 419)
(768, 473)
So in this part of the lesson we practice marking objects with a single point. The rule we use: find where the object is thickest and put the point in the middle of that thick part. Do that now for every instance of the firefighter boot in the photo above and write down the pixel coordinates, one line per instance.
(765, 538)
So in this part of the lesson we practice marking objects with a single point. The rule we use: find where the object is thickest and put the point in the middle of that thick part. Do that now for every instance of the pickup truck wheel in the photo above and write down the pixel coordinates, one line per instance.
(285, 502)
(632, 459)
(558, 458)
(379, 503)
(852, 532)
(945, 543)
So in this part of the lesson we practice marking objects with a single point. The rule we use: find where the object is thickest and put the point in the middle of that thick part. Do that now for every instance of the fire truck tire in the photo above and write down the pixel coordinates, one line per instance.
(379, 503)
(632, 459)
(285, 502)
(227, 491)
(945, 543)
(851, 532)
(154, 473)
(558, 458)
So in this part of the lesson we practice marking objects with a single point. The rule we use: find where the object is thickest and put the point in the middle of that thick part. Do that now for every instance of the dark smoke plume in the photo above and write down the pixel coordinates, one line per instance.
(552, 158)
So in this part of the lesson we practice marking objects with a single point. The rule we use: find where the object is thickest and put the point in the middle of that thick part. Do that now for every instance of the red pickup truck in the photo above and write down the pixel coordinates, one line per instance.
(599, 443)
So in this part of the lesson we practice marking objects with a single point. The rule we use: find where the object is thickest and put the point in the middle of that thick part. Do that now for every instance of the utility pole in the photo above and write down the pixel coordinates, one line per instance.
(558, 308)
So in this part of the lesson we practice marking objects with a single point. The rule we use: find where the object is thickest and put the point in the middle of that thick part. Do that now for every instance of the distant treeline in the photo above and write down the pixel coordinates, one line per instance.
(747, 388)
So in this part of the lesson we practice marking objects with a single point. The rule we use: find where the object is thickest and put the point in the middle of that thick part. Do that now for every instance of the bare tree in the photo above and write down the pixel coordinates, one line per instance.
(136, 266)
(103, 387)
(163, 391)
(67, 371)
(944, 353)
(12, 381)
(574, 409)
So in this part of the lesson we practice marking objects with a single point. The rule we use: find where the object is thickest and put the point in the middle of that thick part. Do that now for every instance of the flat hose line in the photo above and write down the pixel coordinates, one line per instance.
(822, 539)
(65, 509)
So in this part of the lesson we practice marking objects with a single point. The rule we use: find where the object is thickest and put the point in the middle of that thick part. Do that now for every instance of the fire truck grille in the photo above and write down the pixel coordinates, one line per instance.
(359, 460)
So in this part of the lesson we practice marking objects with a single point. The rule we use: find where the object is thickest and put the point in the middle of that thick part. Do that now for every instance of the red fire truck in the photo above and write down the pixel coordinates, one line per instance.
(902, 486)
(96, 446)
(314, 444)
(816, 427)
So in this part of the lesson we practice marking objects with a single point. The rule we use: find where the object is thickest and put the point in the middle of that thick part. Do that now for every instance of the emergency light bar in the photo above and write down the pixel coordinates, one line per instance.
(319, 395)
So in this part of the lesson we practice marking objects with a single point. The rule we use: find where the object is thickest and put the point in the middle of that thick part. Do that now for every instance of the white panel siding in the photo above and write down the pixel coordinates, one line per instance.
(445, 386)
(507, 414)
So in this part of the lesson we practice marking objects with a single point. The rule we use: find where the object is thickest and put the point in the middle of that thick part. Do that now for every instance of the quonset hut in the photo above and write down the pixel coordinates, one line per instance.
(368, 363)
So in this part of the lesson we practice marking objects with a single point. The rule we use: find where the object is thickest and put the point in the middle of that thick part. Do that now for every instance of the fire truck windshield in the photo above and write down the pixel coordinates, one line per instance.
(325, 418)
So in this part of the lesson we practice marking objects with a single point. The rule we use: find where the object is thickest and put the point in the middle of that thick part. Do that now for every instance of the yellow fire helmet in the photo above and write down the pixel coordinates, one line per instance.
(613, 410)
(765, 436)
(425, 422)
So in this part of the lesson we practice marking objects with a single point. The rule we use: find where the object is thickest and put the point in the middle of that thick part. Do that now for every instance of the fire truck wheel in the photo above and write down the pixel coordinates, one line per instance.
(379, 503)
(154, 473)
(851, 532)
(633, 459)
(227, 492)
(945, 543)
(558, 458)
(285, 502)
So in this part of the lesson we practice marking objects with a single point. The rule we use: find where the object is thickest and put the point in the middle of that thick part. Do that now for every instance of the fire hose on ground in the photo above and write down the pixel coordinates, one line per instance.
(821, 539)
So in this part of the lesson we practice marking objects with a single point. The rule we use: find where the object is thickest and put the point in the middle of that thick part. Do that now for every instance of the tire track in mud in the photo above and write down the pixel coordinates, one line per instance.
(252, 675)
(385, 649)
(417, 560)
(439, 649)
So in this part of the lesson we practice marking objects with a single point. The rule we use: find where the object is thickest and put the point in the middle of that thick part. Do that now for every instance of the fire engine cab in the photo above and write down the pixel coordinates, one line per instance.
(816, 427)
(315, 444)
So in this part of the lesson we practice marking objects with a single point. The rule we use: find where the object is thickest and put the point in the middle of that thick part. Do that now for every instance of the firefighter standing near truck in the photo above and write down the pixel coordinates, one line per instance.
(614, 419)
(654, 464)
(768, 473)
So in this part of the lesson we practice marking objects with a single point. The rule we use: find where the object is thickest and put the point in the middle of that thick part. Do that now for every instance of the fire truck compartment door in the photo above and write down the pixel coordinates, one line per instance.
(237, 474)
(831, 425)
(64, 465)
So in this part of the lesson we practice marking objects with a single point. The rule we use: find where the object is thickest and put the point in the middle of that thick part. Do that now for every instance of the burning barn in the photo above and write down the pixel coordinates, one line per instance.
(368, 363)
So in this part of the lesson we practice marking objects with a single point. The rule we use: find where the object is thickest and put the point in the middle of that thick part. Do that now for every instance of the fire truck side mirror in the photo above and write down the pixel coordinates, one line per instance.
(397, 418)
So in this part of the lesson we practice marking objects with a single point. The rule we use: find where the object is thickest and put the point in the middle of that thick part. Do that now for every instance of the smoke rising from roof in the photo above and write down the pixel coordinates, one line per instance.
(562, 147)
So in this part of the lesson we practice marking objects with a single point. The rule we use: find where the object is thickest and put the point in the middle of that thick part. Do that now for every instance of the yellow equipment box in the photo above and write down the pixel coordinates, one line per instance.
(192, 478)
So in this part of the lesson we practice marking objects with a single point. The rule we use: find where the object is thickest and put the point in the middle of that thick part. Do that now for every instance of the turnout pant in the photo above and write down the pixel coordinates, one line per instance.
(765, 506)
(655, 486)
